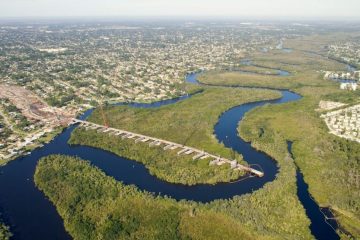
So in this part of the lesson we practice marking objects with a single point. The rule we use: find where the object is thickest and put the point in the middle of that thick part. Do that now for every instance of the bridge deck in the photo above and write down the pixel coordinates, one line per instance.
(168, 146)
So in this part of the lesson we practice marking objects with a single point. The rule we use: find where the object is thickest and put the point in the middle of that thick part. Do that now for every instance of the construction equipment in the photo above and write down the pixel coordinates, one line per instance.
(105, 122)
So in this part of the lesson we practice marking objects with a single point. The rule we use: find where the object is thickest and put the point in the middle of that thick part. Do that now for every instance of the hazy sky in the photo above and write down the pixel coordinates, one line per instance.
(238, 8)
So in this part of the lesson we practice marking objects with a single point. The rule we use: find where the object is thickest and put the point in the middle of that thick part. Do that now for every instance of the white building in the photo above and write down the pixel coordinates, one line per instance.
(348, 86)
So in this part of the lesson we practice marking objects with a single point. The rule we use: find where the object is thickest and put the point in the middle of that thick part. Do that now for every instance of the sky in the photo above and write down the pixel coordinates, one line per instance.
(341, 9)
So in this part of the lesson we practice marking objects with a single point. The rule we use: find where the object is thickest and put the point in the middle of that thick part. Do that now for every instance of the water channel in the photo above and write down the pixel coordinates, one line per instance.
(32, 216)
(249, 62)
(321, 227)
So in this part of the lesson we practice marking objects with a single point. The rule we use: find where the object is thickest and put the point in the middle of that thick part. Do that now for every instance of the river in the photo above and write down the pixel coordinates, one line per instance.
(249, 62)
(321, 228)
(32, 216)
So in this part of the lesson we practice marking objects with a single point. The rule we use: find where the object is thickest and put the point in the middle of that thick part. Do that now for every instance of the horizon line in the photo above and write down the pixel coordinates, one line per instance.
(189, 17)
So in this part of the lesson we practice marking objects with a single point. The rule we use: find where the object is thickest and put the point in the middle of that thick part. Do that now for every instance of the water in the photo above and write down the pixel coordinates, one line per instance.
(192, 78)
(248, 62)
(32, 216)
(27, 211)
(350, 68)
(283, 73)
(320, 227)
(287, 50)
(280, 46)
(343, 80)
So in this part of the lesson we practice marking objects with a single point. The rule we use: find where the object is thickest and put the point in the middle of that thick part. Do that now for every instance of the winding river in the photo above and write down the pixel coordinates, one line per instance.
(249, 62)
(32, 216)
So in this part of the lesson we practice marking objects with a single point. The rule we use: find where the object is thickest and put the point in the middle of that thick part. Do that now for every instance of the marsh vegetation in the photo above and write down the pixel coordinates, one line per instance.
(94, 205)
(189, 123)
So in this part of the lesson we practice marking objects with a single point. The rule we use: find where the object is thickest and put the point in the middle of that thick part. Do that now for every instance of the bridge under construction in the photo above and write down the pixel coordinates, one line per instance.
(167, 145)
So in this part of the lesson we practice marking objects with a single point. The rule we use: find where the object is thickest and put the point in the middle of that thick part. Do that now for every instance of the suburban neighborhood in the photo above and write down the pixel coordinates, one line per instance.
(344, 122)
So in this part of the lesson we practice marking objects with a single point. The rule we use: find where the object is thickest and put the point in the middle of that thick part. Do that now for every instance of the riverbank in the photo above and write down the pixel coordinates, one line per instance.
(260, 213)
(327, 162)
(24, 221)
(321, 227)
(5, 233)
(312, 146)
(256, 202)
(50, 135)
(111, 210)
(179, 123)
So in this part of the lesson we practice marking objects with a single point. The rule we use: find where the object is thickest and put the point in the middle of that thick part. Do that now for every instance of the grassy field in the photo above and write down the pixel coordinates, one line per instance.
(304, 69)
(258, 70)
(180, 123)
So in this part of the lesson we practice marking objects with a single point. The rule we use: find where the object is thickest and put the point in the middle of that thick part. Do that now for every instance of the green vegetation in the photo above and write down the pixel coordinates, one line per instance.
(330, 164)
(95, 206)
(262, 211)
(304, 68)
(327, 162)
(165, 165)
(5, 233)
(258, 70)
(20, 122)
(180, 123)
(344, 97)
